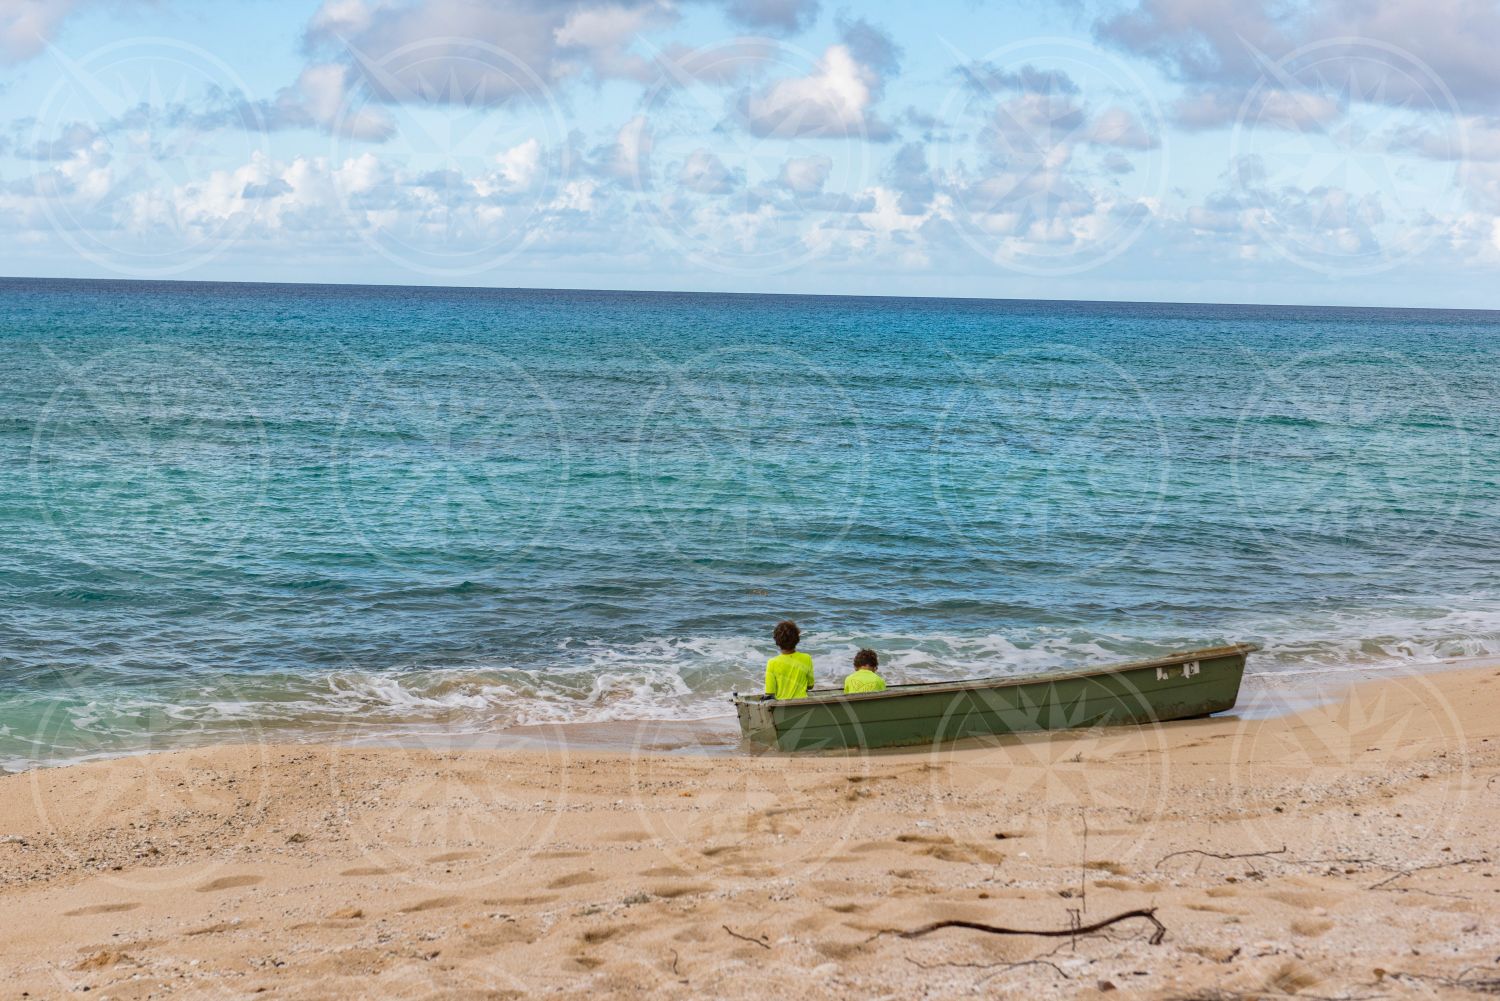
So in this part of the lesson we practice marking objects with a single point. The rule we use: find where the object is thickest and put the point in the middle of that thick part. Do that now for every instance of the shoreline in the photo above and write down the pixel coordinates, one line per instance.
(1340, 849)
(1263, 695)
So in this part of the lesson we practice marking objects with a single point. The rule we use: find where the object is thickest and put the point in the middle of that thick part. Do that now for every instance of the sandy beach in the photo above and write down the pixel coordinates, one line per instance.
(1345, 850)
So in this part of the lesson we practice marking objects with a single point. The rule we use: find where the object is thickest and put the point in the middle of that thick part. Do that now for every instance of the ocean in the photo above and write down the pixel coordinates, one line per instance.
(236, 511)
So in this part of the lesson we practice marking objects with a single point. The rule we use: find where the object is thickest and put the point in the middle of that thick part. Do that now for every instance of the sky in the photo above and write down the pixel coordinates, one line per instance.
(1323, 151)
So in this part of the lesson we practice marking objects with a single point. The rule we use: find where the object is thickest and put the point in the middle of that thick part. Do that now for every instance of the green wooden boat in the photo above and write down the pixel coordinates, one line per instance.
(1175, 686)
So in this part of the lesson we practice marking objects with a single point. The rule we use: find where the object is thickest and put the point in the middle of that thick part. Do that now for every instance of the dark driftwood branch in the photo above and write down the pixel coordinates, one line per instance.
(1149, 913)
(1220, 855)
(1423, 868)
(745, 938)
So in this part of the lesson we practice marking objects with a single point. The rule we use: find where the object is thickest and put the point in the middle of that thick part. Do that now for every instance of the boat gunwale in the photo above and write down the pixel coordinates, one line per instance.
(831, 696)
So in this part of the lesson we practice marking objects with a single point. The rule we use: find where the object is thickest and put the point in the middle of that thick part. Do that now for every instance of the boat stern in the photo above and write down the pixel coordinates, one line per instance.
(757, 724)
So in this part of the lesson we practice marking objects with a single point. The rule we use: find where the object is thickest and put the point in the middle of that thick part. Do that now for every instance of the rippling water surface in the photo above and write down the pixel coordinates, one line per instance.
(234, 510)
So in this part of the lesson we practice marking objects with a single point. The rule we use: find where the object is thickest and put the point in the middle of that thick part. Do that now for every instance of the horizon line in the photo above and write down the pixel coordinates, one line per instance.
(783, 295)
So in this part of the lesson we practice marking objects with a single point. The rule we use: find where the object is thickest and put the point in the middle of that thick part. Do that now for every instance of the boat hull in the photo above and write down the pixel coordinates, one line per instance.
(1177, 686)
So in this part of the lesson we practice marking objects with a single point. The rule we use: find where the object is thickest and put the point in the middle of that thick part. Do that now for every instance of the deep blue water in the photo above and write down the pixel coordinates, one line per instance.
(233, 508)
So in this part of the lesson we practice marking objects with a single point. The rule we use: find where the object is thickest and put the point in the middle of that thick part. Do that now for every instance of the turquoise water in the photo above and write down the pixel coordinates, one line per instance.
(233, 510)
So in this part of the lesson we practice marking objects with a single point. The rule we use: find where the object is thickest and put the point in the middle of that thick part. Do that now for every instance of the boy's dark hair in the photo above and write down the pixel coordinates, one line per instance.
(866, 658)
(786, 635)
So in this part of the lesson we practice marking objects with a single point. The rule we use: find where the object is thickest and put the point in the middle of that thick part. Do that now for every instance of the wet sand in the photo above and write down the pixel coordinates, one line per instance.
(1348, 848)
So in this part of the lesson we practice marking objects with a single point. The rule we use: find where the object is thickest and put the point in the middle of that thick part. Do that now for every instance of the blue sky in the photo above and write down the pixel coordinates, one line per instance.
(1336, 151)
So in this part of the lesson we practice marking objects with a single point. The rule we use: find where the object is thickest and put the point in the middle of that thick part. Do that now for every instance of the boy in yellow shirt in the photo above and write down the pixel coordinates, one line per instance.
(864, 677)
(789, 675)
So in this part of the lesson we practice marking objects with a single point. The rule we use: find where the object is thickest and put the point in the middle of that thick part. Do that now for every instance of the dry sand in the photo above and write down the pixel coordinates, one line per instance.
(1345, 851)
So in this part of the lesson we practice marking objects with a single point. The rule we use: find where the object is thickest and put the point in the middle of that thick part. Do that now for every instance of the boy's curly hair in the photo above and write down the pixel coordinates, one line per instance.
(866, 658)
(786, 635)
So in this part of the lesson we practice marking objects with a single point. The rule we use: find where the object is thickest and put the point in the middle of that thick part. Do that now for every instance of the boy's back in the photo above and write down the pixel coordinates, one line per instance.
(789, 675)
(859, 682)
(865, 677)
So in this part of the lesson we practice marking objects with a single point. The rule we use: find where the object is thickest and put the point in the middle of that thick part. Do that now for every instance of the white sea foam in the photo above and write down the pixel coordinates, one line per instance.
(691, 678)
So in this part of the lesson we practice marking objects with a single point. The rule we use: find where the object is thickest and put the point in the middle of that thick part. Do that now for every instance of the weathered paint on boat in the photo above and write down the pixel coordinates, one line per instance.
(1175, 686)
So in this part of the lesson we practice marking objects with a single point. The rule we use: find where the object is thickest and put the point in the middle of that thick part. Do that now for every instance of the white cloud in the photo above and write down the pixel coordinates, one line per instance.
(519, 166)
(322, 90)
(28, 26)
(481, 54)
(627, 158)
(607, 27)
(836, 98)
(339, 18)
(783, 16)
(806, 175)
(1383, 53)
(706, 174)
(832, 101)
(1115, 126)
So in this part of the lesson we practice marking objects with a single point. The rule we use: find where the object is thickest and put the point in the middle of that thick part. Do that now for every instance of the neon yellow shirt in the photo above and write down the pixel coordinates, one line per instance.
(789, 675)
(863, 681)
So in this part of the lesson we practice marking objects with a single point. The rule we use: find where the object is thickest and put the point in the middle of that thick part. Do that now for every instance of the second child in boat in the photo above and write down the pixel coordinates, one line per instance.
(864, 677)
(789, 674)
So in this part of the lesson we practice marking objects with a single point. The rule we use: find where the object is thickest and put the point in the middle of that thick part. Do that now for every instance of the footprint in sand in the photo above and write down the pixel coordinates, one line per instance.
(1213, 909)
(871, 846)
(453, 856)
(672, 892)
(924, 839)
(230, 883)
(1123, 885)
(751, 872)
(576, 879)
(714, 851)
(436, 903)
(1310, 928)
(369, 870)
(99, 909)
(964, 853)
